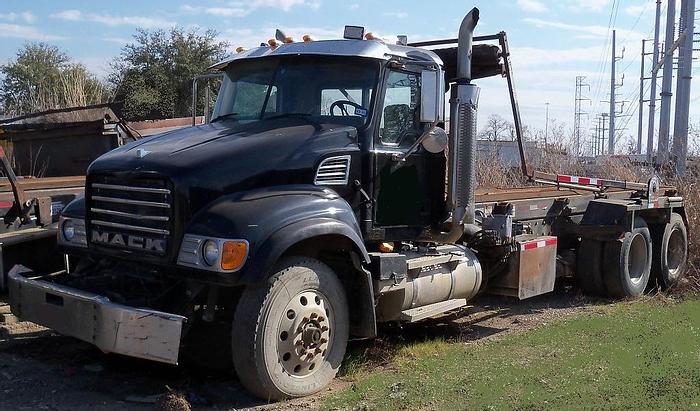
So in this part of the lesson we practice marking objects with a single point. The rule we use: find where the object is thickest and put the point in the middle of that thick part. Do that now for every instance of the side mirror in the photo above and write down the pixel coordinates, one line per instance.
(432, 92)
(435, 140)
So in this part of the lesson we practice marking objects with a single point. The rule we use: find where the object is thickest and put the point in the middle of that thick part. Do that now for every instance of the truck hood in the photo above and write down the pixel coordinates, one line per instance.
(207, 161)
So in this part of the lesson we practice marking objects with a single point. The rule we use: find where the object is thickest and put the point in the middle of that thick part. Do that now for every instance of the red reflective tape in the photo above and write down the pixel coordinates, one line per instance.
(549, 242)
(6, 204)
(530, 246)
(2, 151)
(579, 180)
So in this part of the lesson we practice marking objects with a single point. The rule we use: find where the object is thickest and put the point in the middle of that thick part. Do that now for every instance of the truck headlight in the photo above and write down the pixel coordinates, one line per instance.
(210, 252)
(222, 255)
(71, 232)
(68, 230)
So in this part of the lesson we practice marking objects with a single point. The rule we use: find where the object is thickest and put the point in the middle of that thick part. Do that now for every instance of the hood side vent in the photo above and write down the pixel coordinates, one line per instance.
(333, 171)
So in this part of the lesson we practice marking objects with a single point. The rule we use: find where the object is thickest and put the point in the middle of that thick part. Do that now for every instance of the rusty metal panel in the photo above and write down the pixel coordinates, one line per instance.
(532, 268)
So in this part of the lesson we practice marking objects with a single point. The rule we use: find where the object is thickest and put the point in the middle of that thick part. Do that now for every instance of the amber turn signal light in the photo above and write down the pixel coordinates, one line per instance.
(234, 255)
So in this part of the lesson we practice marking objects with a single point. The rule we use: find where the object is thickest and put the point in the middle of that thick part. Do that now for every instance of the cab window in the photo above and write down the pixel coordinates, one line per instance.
(400, 121)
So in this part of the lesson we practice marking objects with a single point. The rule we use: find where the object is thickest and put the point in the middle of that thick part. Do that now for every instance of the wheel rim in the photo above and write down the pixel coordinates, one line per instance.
(675, 252)
(304, 333)
(637, 261)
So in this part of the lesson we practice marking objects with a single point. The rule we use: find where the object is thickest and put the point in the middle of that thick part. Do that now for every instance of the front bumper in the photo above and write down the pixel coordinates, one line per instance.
(116, 328)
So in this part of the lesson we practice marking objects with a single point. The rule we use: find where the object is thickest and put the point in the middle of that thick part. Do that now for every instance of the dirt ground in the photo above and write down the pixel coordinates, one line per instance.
(43, 370)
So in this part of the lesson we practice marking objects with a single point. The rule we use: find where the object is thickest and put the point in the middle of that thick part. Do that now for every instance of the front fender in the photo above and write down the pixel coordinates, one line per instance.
(275, 218)
(76, 208)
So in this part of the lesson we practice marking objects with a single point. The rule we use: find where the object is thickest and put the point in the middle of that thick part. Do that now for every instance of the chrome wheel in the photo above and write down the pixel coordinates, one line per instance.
(304, 333)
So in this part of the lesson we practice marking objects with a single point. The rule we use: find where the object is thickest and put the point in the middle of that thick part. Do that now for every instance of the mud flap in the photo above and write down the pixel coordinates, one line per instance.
(532, 268)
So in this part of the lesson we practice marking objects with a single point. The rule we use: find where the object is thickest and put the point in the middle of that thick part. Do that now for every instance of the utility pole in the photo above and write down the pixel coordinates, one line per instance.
(594, 137)
(603, 120)
(613, 103)
(611, 139)
(641, 101)
(666, 83)
(546, 124)
(652, 93)
(685, 66)
(577, 111)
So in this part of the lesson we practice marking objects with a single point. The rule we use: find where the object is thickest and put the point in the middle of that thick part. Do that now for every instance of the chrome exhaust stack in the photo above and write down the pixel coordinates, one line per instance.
(464, 100)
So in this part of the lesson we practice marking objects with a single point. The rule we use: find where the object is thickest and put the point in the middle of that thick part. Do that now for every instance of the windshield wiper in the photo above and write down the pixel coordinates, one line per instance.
(303, 116)
(223, 117)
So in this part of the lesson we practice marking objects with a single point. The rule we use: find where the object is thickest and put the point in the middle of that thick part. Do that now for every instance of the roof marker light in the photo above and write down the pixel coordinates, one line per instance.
(307, 38)
(370, 36)
(272, 43)
(240, 49)
(353, 32)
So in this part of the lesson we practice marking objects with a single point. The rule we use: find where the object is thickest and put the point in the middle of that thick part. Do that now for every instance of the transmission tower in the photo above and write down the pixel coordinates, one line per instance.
(580, 85)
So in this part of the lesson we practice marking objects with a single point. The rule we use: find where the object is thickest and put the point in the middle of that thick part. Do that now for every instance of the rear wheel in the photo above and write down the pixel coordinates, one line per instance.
(290, 333)
(627, 262)
(670, 252)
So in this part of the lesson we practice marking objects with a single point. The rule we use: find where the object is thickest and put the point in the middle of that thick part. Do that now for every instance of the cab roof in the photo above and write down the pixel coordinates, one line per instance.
(375, 49)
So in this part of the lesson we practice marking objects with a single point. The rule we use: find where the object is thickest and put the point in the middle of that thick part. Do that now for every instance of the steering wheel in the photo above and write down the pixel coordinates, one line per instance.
(341, 105)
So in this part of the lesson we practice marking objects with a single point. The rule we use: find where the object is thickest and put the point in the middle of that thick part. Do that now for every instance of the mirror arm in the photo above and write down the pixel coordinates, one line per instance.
(403, 156)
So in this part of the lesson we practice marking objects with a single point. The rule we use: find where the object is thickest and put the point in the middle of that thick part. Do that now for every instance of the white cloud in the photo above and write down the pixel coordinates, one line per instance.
(592, 31)
(534, 6)
(26, 32)
(278, 4)
(112, 20)
(8, 16)
(99, 66)
(216, 11)
(118, 40)
(396, 14)
(636, 9)
(68, 15)
(531, 56)
(27, 16)
(239, 9)
(586, 5)
(249, 38)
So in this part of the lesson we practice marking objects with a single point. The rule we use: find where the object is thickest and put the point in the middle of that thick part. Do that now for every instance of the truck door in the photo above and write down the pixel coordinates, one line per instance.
(408, 193)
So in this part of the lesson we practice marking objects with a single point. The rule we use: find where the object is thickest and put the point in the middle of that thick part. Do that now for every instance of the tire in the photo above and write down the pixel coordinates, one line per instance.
(670, 252)
(588, 268)
(627, 262)
(290, 332)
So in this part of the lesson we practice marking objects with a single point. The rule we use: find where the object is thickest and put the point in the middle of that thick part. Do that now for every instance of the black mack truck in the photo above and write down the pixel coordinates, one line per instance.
(324, 197)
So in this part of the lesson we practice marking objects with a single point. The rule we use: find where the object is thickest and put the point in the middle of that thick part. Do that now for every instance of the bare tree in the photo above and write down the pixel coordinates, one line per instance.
(497, 129)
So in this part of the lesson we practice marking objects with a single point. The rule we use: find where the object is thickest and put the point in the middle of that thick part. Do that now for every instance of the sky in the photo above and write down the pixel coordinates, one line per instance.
(552, 42)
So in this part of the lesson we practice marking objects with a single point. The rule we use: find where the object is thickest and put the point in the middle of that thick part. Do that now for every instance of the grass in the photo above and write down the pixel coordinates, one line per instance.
(637, 355)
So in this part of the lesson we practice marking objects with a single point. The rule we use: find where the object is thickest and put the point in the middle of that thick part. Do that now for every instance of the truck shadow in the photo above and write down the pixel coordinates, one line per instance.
(71, 366)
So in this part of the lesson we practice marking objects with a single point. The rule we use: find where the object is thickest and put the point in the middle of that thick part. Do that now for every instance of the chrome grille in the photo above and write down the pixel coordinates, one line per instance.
(139, 208)
(333, 171)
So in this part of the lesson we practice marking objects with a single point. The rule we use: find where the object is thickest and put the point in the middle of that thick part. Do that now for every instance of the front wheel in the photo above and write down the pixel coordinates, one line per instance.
(290, 333)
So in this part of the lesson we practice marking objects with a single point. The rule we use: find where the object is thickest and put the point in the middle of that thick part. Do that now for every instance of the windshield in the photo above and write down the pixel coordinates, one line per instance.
(318, 89)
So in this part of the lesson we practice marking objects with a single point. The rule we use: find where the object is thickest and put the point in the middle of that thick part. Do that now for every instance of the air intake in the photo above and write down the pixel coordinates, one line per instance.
(333, 171)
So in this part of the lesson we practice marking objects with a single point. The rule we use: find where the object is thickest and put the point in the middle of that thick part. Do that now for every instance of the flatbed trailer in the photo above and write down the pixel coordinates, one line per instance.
(29, 208)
